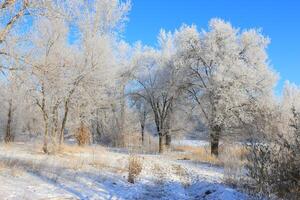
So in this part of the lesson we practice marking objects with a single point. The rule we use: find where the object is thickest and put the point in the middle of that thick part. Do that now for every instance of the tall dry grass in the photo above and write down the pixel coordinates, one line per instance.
(202, 153)
(135, 166)
(133, 142)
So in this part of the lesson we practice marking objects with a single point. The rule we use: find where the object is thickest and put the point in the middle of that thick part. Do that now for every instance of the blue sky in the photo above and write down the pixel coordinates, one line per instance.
(279, 20)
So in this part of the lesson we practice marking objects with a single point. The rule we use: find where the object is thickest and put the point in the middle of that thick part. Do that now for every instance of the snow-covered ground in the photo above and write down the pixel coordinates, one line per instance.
(193, 143)
(99, 173)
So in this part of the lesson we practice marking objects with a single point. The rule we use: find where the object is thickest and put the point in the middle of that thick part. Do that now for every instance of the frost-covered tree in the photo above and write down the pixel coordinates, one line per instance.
(227, 70)
(143, 110)
(290, 97)
(289, 105)
(69, 78)
(157, 79)
(12, 17)
(11, 11)
(13, 107)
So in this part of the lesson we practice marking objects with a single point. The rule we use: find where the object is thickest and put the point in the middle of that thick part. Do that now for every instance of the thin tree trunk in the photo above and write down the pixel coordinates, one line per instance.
(214, 140)
(161, 144)
(54, 134)
(8, 135)
(122, 117)
(45, 145)
(56, 124)
(142, 133)
(61, 137)
(99, 131)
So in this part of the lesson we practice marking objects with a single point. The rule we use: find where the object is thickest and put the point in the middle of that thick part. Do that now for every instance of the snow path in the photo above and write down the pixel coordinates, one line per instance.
(33, 176)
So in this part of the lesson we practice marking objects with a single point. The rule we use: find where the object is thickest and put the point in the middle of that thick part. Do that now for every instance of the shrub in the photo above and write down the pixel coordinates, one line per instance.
(82, 135)
(134, 168)
(274, 166)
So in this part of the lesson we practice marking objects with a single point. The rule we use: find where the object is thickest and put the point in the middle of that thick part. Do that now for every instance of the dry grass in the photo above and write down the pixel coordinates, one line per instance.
(133, 142)
(71, 157)
(13, 166)
(159, 173)
(75, 149)
(104, 164)
(231, 156)
(202, 154)
(183, 175)
(83, 135)
(135, 166)
(2, 166)
(96, 157)
(7, 146)
(16, 171)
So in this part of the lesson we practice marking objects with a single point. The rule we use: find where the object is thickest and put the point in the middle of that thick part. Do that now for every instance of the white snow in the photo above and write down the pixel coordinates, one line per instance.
(102, 175)
(193, 143)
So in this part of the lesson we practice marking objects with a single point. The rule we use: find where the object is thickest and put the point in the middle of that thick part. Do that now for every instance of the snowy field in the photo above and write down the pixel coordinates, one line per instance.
(100, 173)
(193, 143)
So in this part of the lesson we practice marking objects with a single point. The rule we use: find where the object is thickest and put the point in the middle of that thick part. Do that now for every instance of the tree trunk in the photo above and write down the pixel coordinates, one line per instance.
(142, 133)
(168, 140)
(214, 140)
(8, 135)
(45, 145)
(63, 124)
(161, 144)
(167, 132)
(122, 113)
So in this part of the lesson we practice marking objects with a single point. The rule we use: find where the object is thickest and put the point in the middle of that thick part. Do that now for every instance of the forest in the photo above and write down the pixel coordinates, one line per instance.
(79, 101)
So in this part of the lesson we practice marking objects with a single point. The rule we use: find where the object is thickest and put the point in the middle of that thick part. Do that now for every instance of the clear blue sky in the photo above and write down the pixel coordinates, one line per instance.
(279, 19)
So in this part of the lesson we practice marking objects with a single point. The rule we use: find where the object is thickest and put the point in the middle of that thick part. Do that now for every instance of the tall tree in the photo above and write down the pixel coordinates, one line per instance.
(143, 110)
(157, 79)
(65, 76)
(227, 70)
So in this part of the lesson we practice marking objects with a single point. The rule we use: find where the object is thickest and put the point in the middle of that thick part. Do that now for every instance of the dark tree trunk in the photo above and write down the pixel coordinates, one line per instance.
(8, 135)
(61, 136)
(167, 132)
(160, 138)
(168, 140)
(161, 144)
(214, 140)
(142, 133)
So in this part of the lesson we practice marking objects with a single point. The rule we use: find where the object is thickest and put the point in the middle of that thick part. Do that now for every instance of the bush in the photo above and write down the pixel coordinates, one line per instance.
(274, 166)
(134, 168)
(82, 135)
